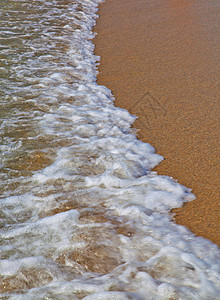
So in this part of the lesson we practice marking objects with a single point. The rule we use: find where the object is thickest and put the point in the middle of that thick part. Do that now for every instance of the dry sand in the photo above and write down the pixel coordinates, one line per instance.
(160, 58)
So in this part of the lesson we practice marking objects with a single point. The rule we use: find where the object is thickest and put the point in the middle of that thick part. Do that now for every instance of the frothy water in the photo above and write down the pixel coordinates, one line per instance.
(82, 214)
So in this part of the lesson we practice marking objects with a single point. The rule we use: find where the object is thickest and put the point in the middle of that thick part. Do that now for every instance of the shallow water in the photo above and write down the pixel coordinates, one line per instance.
(82, 214)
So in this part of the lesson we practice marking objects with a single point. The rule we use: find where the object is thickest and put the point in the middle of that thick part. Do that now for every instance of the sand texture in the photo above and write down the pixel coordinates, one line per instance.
(161, 61)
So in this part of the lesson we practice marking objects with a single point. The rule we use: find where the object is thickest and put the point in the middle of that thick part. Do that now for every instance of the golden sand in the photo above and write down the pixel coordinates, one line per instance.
(161, 61)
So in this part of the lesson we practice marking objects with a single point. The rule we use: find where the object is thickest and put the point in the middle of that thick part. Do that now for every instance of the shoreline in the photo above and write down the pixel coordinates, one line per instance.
(160, 61)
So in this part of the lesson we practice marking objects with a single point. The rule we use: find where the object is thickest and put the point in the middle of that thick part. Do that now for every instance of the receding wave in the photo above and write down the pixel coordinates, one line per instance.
(82, 214)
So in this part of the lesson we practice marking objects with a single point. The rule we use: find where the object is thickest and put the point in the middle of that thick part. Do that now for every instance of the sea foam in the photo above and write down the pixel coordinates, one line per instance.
(83, 216)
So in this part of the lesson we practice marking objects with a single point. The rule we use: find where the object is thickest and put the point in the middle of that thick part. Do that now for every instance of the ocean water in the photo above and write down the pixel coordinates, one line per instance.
(82, 214)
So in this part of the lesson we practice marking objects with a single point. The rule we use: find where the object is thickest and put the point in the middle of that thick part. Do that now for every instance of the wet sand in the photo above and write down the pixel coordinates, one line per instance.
(161, 61)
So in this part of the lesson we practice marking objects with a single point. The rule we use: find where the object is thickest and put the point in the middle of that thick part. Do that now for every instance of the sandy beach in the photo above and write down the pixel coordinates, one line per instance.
(160, 59)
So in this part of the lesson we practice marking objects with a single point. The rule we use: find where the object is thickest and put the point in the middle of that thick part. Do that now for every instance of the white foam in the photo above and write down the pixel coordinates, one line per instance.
(91, 220)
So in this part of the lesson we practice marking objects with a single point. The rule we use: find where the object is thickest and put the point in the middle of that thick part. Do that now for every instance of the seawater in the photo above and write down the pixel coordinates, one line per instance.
(82, 214)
